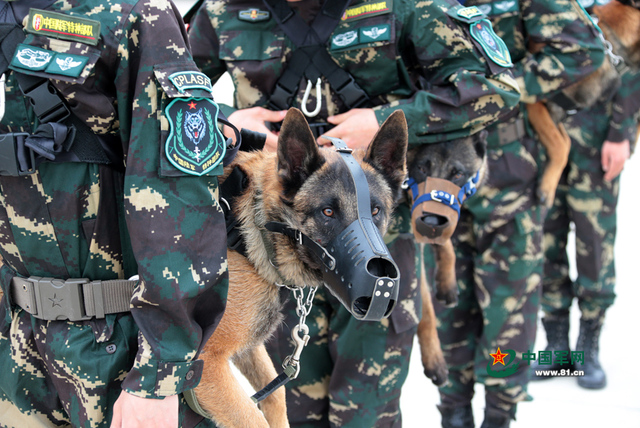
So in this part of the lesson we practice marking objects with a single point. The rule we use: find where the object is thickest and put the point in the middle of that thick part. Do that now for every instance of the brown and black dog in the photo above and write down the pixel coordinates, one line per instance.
(449, 166)
(308, 188)
(620, 25)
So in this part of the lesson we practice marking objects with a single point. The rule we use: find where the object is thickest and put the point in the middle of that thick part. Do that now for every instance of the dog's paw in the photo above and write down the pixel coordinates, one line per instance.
(438, 374)
(449, 297)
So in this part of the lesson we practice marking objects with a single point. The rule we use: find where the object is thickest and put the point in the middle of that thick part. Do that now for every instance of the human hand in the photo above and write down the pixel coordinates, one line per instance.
(254, 119)
(356, 128)
(613, 157)
(131, 411)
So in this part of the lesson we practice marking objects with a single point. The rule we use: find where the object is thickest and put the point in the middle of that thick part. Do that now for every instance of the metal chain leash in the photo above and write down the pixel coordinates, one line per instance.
(300, 333)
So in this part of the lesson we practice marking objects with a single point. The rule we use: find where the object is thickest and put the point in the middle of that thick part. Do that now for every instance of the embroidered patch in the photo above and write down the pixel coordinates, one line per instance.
(254, 15)
(505, 6)
(67, 65)
(31, 58)
(375, 34)
(469, 12)
(195, 144)
(183, 80)
(366, 10)
(36, 59)
(494, 46)
(344, 40)
(61, 26)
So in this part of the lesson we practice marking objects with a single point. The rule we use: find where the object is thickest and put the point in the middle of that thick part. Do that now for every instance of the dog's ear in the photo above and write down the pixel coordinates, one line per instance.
(298, 152)
(388, 150)
(480, 143)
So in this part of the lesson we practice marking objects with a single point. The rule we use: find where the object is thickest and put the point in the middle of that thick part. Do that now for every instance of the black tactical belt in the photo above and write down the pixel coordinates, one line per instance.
(73, 299)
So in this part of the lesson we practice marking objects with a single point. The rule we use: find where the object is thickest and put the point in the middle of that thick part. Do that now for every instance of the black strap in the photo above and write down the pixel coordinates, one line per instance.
(311, 59)
(233, 186)
(61, 135)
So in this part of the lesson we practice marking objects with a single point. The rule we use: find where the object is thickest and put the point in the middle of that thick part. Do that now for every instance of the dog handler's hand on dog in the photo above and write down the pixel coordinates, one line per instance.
(614, 156)
(131, 411)
(356, 128)
(254, 119)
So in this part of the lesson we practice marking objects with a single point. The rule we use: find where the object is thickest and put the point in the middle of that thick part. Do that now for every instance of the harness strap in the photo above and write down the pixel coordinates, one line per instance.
(73, 299)
(311, 58)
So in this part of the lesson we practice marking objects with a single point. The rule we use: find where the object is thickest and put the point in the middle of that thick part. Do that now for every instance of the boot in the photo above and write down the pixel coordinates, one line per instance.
(494, 418)
(557, 329)
(456, 417)
(588, 341)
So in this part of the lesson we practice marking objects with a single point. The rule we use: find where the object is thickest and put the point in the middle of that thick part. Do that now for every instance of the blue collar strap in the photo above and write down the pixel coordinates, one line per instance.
(454, 202)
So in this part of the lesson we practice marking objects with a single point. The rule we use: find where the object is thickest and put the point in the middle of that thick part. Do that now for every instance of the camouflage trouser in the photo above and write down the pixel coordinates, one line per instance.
(58, 373)
(352, 371)
(498, 244)
(585, 199)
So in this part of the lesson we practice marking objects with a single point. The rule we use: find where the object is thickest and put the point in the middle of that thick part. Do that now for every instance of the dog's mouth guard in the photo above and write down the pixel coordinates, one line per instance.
(357, 266)
(436, 207)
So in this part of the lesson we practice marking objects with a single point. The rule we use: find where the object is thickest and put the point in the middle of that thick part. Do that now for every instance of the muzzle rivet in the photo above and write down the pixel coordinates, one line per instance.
(378, 293)
(386, 294)
(390, 284)
(381, 283)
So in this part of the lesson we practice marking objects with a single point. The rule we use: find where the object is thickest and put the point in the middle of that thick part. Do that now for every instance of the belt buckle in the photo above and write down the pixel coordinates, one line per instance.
(59, 299)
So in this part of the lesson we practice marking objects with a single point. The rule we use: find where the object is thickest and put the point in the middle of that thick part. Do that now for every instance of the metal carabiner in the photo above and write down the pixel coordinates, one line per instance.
(318, 98)
(293, 360)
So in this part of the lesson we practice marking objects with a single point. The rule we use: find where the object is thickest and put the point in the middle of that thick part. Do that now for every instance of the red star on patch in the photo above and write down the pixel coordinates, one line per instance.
(498, 357)
(192, 105)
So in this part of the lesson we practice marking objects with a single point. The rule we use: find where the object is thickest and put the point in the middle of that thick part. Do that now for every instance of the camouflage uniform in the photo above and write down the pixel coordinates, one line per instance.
(90, 220)
(498, 239)
(427, 65)
(587, 200)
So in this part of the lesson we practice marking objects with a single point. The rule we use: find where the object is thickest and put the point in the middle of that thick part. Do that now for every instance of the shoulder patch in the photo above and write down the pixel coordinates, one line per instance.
(183, 80)
(61, 26)
(195, 144)
(254, 15)
(466, 14)
(366, 10)
(493, 46)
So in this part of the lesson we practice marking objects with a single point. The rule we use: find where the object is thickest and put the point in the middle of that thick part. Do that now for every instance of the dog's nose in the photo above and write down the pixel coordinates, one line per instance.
(432, 225)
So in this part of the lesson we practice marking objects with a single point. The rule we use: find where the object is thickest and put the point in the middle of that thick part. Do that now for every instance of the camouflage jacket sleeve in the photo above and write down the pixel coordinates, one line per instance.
(461, 89)
(173, 217)
(625, 109)
(570, 47)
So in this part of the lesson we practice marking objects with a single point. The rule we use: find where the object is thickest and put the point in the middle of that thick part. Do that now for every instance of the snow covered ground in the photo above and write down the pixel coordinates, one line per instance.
(560, 402)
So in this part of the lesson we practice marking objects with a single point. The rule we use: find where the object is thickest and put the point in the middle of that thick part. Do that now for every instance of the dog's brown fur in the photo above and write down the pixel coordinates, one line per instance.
(288, 187)
(620, 25)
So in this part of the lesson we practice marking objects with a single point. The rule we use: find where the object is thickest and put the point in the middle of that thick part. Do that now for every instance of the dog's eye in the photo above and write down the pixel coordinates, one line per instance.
(328, 212)
(456, 175)
(375, 210)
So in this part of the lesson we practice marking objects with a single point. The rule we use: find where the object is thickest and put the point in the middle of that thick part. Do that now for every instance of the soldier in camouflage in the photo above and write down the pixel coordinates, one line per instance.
(418, 57)
(587, 197)
(96, 182)
(498, 239)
